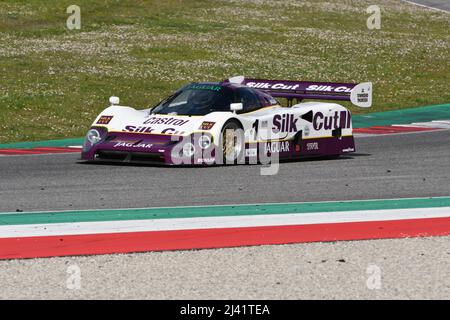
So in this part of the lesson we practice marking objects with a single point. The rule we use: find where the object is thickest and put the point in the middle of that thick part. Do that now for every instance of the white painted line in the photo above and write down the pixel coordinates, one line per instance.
(410, 125)
(433, 124)
(55, 229)
(416, 124)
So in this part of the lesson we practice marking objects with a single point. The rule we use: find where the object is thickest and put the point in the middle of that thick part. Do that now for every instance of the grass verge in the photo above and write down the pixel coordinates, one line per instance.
(53, 81)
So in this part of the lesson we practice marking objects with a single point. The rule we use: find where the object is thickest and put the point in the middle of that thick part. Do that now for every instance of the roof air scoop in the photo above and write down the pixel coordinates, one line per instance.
(237, 79)
(114, 101)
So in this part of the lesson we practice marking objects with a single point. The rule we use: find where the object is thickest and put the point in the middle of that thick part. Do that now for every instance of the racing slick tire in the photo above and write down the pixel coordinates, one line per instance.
(232, 143)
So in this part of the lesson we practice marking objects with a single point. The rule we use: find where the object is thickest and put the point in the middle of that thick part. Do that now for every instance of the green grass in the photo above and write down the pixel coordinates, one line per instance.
(53, 81)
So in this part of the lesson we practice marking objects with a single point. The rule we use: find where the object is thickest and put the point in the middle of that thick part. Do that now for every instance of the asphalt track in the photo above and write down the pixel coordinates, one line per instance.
(437, 4)
(394, 166)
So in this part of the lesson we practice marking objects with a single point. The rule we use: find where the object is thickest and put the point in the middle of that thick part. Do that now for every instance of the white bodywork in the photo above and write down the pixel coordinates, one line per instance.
(305, 129)
(273, 123)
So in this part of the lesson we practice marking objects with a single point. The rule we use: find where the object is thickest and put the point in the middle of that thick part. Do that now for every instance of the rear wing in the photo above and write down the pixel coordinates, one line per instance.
(360, 94)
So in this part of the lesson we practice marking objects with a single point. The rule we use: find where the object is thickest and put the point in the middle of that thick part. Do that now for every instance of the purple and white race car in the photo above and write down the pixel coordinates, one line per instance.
(238, 120)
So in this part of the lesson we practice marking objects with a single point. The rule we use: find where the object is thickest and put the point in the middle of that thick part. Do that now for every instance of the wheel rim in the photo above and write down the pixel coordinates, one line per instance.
(231, 145)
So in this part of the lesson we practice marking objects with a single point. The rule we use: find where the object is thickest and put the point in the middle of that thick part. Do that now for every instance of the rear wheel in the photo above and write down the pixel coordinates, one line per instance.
(232, 142)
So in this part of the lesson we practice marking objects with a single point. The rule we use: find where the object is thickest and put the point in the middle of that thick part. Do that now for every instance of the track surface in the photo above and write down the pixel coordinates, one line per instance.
(438, 4)
(395, 166)
(410, 165)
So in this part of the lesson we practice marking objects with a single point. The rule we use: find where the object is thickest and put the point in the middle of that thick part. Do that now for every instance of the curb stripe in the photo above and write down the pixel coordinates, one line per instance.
(392, 129)
(402, 116)
(17, 152)
(15, 218)
(45, 234)
(34, 247)
(39, 150)
(43, 143)
(219, 222)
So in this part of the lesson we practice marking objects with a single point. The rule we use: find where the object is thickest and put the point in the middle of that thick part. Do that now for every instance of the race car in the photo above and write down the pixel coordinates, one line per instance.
(238, 120)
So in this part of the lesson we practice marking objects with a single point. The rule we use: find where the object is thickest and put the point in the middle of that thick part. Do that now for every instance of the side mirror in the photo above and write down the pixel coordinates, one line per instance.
(114, 101)
(236, 107)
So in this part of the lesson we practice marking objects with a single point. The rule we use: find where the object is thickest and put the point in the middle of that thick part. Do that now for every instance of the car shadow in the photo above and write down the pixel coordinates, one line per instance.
(157, 165)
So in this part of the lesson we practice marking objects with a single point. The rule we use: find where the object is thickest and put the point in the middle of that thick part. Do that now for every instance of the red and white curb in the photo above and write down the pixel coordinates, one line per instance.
(126, 242)
(39, 150)
(403, 128)
(140, 235)
(438, 124)
(176, 224)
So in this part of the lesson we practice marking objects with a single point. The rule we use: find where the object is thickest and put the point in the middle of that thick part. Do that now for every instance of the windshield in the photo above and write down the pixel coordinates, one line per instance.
(196, 99)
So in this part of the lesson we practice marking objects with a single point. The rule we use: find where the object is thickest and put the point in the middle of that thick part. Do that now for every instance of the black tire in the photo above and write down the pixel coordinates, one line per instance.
(232, 151)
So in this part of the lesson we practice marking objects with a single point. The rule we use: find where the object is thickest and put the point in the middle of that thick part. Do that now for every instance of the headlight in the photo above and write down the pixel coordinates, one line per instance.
(204, 142)
(188, 149)
(93, 136)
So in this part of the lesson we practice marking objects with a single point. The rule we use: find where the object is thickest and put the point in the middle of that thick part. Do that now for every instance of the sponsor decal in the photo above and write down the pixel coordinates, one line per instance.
(207, 125)
(171, 131)
(105, 119)
(348, 150)
(206, 160)
(166, 121)
(323, 88)
(144, 129)
(284, 123)
(292, 87)
(277, 147)
(275, 86)
(362, 97)
(129, 144)
(139, 129)
(205, 87)
(340, 119)
(312, 146)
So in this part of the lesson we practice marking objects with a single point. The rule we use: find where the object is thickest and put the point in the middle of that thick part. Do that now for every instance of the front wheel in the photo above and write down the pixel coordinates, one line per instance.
(232, 143)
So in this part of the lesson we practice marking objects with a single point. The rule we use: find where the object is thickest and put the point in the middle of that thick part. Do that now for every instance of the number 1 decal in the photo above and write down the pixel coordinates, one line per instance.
(255, 126)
